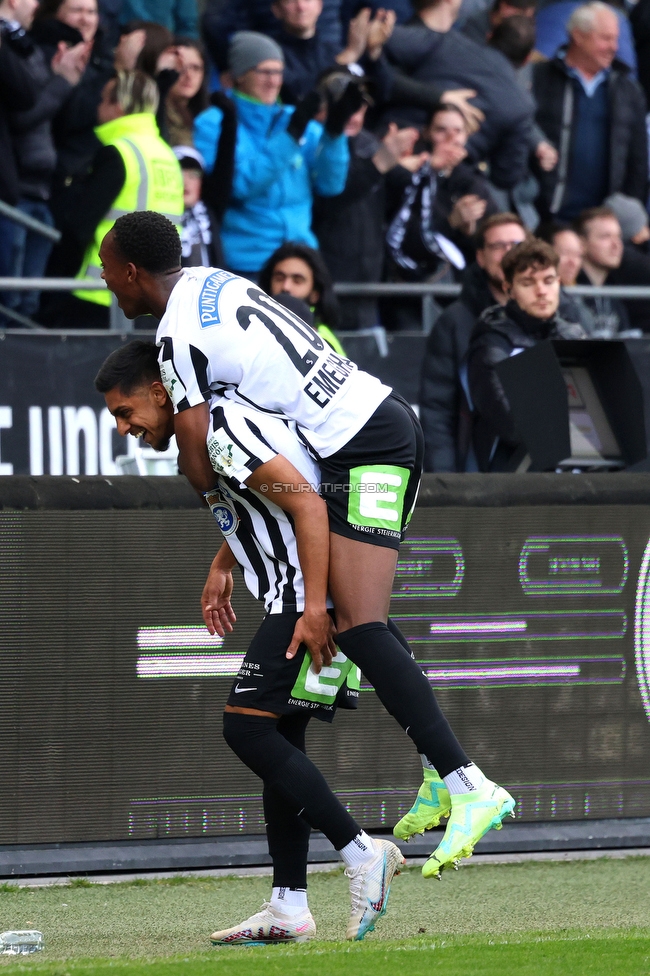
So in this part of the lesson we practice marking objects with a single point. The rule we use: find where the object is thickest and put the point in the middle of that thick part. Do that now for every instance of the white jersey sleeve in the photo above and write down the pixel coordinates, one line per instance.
(236, 446)
(221, 334)
(260, 534)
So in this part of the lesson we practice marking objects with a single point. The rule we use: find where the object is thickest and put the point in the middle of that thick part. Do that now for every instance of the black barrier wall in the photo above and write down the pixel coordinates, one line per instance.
(526, 599)
(53, 422)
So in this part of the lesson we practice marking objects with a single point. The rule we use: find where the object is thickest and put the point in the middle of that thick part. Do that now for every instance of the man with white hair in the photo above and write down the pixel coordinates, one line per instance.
(593, 112)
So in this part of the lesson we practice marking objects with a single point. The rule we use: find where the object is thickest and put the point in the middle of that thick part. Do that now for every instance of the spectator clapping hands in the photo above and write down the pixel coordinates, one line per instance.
(367, 35)
(70, 62)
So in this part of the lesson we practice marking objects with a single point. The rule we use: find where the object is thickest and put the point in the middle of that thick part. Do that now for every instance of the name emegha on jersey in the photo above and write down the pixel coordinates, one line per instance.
(209, 297)
(327, 380)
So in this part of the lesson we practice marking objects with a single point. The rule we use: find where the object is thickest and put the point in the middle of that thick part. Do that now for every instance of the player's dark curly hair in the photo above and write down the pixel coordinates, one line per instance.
(129, 367)
(149, 240)
(327, 306)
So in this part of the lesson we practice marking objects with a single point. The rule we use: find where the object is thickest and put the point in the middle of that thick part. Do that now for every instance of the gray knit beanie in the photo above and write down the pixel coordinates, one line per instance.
(631, 214)
(247, 49)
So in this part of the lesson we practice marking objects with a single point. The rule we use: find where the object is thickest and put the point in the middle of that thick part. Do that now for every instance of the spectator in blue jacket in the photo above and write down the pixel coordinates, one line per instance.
(282, 156)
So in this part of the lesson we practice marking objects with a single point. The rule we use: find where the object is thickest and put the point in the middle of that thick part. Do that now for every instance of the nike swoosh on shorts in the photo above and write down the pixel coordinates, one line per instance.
(239, 690)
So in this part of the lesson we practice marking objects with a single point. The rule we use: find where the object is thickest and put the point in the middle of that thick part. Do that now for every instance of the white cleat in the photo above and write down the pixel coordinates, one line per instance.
(370, 886)
(267, 927)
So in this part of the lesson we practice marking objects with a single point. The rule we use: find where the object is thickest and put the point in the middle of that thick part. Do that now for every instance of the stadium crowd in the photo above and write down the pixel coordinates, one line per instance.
(305, 142)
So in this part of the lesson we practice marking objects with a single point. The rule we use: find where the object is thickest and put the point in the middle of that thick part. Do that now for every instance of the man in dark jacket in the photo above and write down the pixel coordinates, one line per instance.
(428, 50)
(34, 149)
(530, 316)
(17, 92)
(308, 51)
(444, 414)
(593, 112)
(222, 20)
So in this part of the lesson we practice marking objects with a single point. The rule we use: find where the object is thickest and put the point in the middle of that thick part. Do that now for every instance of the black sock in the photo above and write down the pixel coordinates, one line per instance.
(404, 691)
(397, 633)
(259, 744)
(287, 833)
(288, 839)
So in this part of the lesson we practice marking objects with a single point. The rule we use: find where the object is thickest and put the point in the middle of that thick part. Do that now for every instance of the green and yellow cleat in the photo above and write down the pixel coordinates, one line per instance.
(472, 815)
(431, 805)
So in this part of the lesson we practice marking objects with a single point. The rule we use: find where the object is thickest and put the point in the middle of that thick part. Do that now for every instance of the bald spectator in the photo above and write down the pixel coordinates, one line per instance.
(593, 112)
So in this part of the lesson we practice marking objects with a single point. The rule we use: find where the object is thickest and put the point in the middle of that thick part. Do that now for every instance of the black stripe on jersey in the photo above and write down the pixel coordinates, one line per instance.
(168, 356)
(258, 406)
(200, 364)
(246, 539)
(258, 433)
(312, 450)
(219, 416)
(278, 543)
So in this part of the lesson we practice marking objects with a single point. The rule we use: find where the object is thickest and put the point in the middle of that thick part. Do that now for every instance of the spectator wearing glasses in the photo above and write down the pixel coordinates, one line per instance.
(282, 155)
(444, 411)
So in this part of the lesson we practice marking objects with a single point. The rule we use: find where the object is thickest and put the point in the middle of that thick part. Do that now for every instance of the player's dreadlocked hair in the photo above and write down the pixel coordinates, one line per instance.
(129, 367)
(149, 240)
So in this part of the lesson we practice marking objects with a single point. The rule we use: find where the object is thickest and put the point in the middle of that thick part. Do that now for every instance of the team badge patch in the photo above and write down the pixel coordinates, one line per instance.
(225, 517)
(223, 513)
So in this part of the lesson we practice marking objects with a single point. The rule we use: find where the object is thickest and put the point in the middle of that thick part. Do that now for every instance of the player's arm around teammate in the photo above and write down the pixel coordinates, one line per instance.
(279, 480)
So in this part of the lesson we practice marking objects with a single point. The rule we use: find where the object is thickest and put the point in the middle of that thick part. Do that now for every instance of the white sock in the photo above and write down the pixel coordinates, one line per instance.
(289, 901)
(465, 779)
(360, 849)
(426, 763)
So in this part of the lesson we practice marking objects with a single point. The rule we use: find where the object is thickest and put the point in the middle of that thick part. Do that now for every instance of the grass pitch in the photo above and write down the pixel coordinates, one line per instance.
(530, 919)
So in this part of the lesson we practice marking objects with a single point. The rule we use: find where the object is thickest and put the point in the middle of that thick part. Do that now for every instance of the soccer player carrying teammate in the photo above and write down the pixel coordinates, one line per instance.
(282, 693)
(220, 333)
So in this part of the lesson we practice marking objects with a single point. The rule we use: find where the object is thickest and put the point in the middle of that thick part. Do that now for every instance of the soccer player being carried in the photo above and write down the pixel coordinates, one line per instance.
(218, 332)
(277, 680)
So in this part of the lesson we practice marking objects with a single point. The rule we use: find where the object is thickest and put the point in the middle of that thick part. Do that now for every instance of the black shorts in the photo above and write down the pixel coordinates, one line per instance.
(371, 484)
(269, 682)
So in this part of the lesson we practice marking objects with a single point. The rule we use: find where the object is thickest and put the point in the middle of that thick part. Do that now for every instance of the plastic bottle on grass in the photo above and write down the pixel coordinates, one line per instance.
(20, 942)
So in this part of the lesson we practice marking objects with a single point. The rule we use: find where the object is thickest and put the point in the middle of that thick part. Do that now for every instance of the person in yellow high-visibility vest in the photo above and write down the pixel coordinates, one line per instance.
(133, 170)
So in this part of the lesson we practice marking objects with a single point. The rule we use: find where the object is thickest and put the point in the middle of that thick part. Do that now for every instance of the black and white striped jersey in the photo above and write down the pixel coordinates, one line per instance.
(221, 334)
(260, 534)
